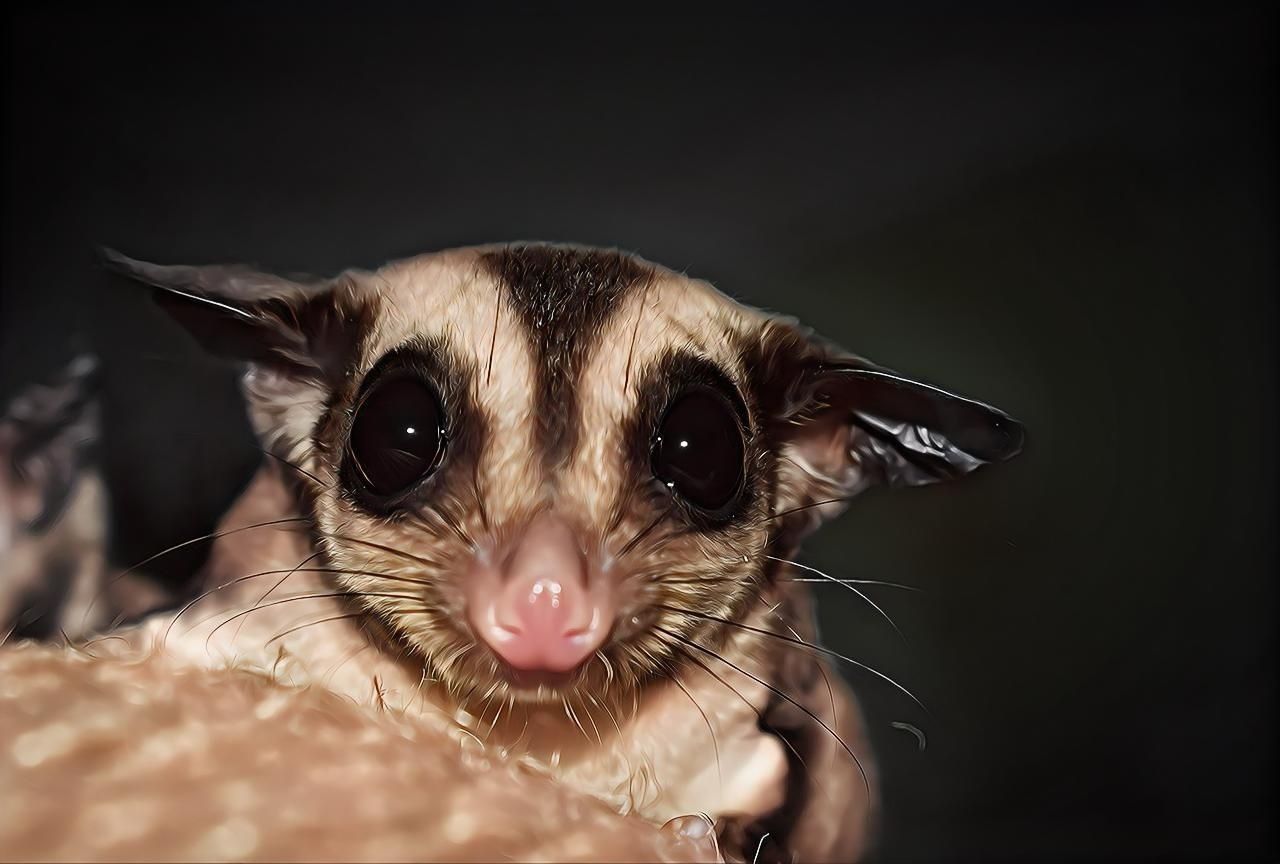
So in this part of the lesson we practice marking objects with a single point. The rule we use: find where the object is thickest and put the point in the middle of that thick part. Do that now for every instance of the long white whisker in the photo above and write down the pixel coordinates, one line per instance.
(846, 584)
(854, 582)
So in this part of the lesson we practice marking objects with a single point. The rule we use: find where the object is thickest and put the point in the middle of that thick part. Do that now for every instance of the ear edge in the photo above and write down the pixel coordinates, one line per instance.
(983, 432)
(303, 326)
(234, 312)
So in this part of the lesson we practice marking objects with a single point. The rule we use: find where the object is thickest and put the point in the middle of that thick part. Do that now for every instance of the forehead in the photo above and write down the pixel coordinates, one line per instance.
(555, 330)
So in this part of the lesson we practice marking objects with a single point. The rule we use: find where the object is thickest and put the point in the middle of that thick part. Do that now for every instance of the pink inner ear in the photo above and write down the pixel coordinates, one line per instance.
(824, 444)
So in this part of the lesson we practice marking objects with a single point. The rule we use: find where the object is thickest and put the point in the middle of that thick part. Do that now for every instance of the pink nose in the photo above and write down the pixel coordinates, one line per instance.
(543, 613)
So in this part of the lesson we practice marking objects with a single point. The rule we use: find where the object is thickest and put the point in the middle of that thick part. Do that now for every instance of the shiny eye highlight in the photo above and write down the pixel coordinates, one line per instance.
(698, 451)
(397, 437)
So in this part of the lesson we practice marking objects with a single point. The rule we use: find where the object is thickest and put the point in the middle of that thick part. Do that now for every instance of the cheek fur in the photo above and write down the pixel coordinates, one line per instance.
(405, 570)
(687, 577)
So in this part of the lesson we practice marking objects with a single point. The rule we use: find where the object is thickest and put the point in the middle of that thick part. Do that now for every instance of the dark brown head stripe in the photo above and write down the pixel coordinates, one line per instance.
(564, 295)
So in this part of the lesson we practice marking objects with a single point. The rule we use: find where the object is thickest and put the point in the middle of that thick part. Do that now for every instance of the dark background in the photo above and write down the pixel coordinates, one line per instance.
(1069, 214)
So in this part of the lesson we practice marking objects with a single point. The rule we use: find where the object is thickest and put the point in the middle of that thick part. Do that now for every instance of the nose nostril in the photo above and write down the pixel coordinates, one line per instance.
(578, 632)
(508, 627)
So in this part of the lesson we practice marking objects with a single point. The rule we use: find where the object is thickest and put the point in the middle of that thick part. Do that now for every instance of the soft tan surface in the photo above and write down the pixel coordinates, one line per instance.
(112, 759)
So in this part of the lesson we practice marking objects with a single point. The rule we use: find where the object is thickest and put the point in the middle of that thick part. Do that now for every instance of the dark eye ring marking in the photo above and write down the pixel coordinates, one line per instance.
(698, 439)
(698, 451)
(398, 434)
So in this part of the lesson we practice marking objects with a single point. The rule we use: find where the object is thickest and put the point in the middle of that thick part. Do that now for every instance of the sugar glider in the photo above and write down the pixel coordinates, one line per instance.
(545, 496)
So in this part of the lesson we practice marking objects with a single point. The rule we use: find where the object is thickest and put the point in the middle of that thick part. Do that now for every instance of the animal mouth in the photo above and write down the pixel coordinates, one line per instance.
(537, 680)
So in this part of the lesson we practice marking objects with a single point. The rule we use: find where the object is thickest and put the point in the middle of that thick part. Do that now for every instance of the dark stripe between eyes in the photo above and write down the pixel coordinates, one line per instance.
(564, 296)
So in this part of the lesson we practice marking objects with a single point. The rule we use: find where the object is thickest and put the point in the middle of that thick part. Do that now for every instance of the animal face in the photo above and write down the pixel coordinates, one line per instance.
(551, 469)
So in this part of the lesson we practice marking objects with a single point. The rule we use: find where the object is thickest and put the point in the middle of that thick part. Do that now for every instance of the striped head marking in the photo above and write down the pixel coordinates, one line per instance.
(551, 469)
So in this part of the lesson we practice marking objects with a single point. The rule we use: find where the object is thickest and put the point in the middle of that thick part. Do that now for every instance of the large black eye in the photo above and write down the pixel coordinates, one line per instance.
(698, 451)
(397, 437)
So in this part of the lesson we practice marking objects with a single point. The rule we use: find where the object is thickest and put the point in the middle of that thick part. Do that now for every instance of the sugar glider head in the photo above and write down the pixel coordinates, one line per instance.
(547, 468)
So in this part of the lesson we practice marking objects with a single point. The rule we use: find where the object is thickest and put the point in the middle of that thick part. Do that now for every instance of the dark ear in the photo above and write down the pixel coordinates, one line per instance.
(48, 432)
(847, 424)
(301, 327)
(901, 432)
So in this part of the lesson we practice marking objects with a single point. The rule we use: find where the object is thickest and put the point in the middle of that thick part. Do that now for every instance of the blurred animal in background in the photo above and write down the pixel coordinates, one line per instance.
(54, 515)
